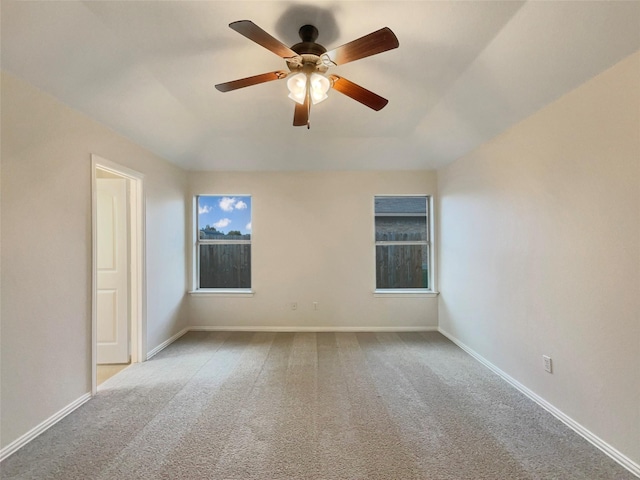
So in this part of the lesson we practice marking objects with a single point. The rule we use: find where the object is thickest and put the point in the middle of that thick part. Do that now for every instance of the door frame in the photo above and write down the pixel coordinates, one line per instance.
(137, 270)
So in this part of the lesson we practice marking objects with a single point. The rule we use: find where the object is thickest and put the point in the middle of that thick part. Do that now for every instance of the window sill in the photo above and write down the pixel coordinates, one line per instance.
(238, 293)
(400, 293)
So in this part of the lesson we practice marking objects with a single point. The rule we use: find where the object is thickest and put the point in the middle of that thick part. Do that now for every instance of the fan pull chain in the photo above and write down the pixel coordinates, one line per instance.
(308, 105)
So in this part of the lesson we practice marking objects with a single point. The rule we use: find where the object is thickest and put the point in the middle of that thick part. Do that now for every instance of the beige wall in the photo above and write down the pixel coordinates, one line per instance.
(313, 242)
(46, 251)
(540, 238)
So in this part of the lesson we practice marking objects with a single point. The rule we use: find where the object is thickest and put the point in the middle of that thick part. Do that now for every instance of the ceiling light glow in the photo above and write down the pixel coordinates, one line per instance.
(317, 85)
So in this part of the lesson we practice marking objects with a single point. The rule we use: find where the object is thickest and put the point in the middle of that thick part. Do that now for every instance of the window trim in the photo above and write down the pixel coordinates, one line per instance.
(197, 242)
(432, 290)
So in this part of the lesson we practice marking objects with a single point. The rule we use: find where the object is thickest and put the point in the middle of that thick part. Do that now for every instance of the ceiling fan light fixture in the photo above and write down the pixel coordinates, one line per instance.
(319, 85)
(297, 85)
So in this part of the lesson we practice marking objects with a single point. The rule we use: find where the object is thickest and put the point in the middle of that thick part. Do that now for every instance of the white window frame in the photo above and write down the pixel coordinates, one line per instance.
(198, 242)
(430, 291)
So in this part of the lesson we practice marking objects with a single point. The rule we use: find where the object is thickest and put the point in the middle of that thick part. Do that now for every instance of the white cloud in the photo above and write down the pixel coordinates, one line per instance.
(205, 209)
(222, 223)
(227, 203)
(248, 227)
(241, 205)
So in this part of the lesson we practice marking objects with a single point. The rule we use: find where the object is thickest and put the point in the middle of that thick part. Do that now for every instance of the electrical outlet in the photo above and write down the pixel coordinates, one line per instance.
(294, 305)
(546, 360)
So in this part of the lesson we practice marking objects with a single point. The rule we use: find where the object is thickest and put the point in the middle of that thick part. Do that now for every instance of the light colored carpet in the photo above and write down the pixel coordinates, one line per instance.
(266, 406)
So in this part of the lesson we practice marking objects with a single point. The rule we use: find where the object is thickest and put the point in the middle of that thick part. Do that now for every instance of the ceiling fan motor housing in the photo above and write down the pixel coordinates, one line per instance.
(308, 34)
(309, 51)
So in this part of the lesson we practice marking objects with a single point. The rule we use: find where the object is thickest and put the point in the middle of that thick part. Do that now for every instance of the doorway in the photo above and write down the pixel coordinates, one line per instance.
(118, 309)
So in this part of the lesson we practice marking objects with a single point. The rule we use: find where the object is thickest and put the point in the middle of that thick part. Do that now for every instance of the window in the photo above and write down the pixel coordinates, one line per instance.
(402, 242)
(223, 242)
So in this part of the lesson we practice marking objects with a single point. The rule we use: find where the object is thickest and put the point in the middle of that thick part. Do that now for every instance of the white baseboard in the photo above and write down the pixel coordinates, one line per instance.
(166, 343)
(616, 455)
(310, 329)
(37, 430)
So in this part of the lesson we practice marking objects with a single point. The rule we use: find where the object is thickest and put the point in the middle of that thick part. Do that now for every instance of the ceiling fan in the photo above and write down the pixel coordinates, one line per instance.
(308, 61)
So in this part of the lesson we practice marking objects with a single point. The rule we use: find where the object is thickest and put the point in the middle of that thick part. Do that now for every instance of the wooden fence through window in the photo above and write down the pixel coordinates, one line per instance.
(225, 266)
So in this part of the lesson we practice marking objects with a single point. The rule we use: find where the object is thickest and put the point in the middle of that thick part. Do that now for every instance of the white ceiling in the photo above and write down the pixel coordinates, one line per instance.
(464, 72)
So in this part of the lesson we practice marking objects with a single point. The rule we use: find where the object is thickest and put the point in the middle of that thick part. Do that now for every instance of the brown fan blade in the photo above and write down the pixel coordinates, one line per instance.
(301, 114)
(376, 42)
(247, 82)
(256, 34)
(358, 93)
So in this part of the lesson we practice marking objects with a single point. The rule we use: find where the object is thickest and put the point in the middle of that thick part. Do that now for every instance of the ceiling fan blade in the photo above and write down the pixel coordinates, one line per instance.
(358, 93)
(301, 114)
(258, 35)
(255, 80)
(376, 42)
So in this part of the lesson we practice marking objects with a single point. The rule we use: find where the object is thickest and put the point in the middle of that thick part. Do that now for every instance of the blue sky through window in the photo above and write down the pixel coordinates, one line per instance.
(225, 212)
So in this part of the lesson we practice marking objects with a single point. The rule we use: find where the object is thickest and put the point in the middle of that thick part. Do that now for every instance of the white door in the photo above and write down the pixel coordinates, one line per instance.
(113, 277)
